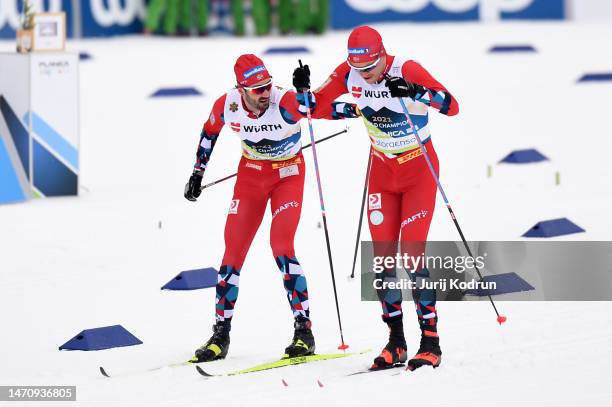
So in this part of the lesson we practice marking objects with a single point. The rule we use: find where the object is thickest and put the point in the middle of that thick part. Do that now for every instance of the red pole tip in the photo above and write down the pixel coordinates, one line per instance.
(501, 319)
(319, 383)
(343, 347)
(284, 383)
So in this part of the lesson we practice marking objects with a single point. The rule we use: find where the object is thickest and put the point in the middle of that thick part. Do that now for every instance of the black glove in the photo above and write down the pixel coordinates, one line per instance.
(400, 88)
(192, 188)
(301, 78)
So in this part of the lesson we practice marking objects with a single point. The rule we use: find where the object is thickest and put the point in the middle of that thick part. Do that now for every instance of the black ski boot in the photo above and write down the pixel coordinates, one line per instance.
(303, 343)
(429, 352)
(394, 352)
(217, 346)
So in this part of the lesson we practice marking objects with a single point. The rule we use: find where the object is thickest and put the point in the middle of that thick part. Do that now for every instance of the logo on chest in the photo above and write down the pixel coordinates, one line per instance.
(263, 127)
(357, 91)
(235, 126)
(377, 94)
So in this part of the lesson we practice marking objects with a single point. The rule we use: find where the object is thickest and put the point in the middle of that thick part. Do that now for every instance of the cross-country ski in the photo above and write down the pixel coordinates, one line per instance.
(297, 360)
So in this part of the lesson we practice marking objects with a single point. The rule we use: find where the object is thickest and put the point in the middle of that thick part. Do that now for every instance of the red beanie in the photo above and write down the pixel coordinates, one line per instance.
(249, 70)
(365, 45)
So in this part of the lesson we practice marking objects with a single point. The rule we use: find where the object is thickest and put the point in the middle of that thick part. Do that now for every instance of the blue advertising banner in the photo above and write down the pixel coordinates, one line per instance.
(11, 11)
(93, 17)
(112, 17)
(351, 13)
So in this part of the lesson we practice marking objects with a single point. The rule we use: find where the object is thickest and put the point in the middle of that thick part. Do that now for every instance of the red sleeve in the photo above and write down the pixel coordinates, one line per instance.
(440, 97)
(290, 108)
(331, 89)
(335, 85)
(215, 121)
(210, 133)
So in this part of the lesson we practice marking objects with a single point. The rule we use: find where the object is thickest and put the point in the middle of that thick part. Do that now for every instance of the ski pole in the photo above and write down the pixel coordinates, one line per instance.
(203, 187)
(363, 199)
(500, 319)
(342, 346)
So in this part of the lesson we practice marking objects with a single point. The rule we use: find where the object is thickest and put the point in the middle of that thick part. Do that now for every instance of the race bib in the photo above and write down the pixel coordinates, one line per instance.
(289, 171)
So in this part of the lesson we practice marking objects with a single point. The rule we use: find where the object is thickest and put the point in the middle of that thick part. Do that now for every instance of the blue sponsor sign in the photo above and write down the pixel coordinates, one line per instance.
(351, 13)
(95, 17)
(11, 11)
(114, 17)
(358, 51)
(253, 71)
(106, 18)
(9, 18)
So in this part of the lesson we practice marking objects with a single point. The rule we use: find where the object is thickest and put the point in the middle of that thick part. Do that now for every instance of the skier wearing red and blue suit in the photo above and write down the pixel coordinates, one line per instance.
(266, 118)
(401, 191)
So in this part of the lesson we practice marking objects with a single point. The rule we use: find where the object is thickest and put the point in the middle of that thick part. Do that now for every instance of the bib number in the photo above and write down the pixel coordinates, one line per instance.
(289, 171)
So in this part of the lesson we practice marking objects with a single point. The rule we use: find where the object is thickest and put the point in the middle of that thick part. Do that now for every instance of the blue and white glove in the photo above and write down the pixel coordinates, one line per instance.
(342, 110)
(312, 101)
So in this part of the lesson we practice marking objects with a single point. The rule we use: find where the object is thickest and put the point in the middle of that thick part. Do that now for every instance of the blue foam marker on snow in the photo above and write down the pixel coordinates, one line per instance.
(596, 77)
(193, 280)
(504, 284)
(524, 157)
(511, 48)
(176, 92)
(101, 338)
(84, 56)
(286, 50)
(553, 227)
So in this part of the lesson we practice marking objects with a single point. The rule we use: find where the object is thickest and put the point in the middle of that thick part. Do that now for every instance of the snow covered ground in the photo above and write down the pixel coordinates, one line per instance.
(74, 263)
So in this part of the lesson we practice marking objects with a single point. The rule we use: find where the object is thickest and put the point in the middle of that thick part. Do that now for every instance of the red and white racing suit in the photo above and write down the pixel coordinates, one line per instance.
(271, 169)
(401, 190)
